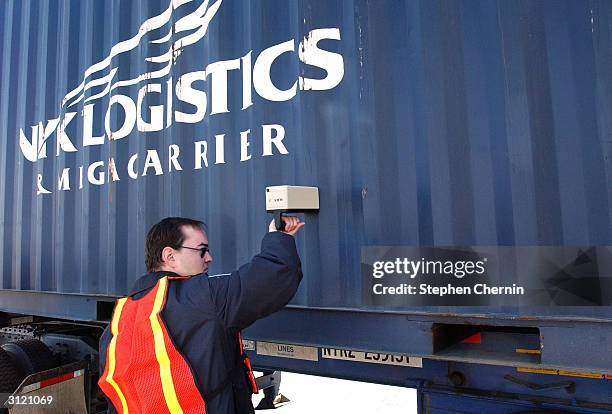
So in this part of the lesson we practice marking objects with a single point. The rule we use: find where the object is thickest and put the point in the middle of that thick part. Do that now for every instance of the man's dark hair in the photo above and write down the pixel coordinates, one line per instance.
(166, 233)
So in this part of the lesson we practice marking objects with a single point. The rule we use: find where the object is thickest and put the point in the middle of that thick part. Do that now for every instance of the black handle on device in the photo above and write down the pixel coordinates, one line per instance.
(278, 222)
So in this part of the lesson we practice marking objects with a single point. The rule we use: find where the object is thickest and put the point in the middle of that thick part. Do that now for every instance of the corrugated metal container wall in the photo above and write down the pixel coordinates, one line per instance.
(455, 123)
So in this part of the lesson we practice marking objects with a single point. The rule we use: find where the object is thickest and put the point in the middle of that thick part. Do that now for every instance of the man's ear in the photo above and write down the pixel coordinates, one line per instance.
(167, 256)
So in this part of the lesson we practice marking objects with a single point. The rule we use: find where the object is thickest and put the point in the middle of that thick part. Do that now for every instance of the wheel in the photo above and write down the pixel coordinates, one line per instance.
(10, 377)
(10, 374)
(32, 355)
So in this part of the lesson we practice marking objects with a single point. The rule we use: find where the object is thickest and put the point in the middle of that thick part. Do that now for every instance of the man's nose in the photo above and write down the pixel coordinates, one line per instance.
(208, 257)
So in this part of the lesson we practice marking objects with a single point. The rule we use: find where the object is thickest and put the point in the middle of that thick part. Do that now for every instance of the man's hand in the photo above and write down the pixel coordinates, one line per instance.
(292, 225)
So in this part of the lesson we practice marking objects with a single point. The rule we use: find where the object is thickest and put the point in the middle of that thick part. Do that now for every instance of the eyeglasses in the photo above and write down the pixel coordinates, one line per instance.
(202, 250)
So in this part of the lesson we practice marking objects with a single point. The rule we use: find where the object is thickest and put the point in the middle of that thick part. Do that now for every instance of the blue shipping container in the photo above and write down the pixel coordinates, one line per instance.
(422, 123)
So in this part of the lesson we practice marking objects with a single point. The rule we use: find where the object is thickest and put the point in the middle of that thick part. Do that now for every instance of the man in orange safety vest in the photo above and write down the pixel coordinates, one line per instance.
(174, 344)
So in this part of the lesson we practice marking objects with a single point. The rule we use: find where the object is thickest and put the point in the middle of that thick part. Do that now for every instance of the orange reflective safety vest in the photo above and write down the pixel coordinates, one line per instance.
(144, 372)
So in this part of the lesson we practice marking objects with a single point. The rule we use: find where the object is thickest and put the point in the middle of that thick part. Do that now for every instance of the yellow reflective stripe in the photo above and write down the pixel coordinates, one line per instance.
(160, 350)
(528, 351)
(581, 374)
(111, 353)
(538, 370)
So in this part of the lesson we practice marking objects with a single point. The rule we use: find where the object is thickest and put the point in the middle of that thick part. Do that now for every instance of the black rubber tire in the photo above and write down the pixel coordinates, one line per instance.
(32, 355)
(10, 374)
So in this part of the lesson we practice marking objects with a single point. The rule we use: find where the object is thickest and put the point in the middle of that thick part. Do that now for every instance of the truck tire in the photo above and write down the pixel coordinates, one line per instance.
(31, 354)
(10, 377)
(10, 374)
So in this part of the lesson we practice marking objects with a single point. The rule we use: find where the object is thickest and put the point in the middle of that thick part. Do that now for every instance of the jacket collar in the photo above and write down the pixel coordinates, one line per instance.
(148, 281)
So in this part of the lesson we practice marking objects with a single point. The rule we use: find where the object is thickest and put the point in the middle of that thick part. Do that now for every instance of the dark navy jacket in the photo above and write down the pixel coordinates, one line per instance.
(204, 314)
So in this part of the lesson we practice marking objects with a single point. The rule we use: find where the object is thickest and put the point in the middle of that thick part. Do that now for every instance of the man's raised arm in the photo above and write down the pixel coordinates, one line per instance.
(265, 284)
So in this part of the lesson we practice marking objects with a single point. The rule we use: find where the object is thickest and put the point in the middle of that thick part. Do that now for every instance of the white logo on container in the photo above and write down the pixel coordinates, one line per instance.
(101, 80)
